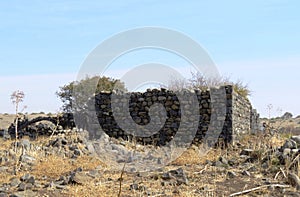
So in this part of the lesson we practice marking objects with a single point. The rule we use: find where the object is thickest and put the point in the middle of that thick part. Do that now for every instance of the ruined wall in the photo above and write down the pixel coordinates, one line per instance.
(245, 119)
(232, 113)
(241, 115)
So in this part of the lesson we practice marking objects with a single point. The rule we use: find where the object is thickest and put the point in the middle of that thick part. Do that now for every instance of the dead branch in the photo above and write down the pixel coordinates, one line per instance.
(258, 188)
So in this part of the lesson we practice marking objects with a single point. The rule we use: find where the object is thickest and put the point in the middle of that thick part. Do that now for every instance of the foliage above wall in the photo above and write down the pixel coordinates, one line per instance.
(199, 81)
(84, 88)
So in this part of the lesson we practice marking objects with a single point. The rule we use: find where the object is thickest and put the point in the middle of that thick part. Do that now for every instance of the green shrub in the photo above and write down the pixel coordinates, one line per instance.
(84, 90)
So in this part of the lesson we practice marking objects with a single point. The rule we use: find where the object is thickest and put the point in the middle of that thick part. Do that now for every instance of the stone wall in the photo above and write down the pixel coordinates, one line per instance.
(241, 115)
(220, 110)
(245, 119)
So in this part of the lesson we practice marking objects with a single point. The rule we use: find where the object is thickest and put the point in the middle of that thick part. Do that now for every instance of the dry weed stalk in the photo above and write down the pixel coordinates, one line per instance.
(56, 126)
(16, 98)
(124, 166)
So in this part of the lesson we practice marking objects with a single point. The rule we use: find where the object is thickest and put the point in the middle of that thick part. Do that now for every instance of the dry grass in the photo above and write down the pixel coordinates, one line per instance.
(190, 156)
(5, 144)
(6, 177)
(204, 180)
(54, 166)
(193, 155)
(106, 185)
(91, 190)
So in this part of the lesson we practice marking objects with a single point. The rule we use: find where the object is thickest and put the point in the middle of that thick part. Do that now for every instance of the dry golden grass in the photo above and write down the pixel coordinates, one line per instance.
(190, 156)
(262, 141)
(199, 174)
(91, 190)
(5, 144)
(54, 166)
(5, 177)
(106, 185)
(194, 156)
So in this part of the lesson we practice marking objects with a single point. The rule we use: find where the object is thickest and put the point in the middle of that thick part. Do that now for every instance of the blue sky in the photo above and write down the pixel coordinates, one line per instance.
(43, 43)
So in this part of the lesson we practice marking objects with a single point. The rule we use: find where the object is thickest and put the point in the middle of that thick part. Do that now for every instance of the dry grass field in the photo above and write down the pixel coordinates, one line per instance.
(221, 172)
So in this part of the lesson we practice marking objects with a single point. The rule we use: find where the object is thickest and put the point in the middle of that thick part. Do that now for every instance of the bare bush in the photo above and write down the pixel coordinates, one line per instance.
(199, 81)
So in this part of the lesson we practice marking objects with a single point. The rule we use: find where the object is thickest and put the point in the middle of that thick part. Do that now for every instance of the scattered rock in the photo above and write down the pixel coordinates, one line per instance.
(286, 151)
(223, 160)
(15, 182)
(3, 168)
(24, 194)
(93, 173)
(26, 144)
(266, 181)
(231, 174)
(295, 150)
(291, 144)
(63, 180)
(24, 186)
(134, 186)
(246, 173)
(27, 178)
(247, 152)
(265, 165)
(232, 162)
(91, 149)
(56, 186)
(80, 178)
(218, 164)
(77, 152)
(296, 139)
(178, 175)
(27, 159)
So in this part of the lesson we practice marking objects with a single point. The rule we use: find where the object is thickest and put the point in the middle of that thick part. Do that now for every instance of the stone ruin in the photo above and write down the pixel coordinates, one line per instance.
(40, 125)
(238, 118)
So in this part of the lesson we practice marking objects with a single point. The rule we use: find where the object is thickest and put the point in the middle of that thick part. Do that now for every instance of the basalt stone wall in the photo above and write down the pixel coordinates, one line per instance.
(241, 115)
(222, 114)
(245, 119)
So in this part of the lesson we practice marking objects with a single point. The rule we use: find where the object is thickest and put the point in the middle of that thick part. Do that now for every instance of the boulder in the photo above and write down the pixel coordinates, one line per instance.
(291, 144)
(296, 139)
